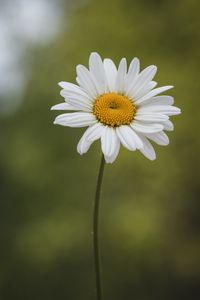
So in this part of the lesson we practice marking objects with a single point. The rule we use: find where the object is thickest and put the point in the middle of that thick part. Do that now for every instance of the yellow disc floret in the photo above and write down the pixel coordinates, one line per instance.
(113, 109)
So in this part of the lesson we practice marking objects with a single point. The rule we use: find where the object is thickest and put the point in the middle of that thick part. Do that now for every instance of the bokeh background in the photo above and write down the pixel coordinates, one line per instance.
(150, 225)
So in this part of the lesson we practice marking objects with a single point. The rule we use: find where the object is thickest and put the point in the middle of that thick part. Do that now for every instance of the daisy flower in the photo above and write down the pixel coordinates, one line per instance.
(119, 106)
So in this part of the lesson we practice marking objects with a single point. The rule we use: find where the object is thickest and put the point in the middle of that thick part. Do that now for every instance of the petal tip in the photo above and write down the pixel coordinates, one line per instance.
(94, 53)
(79, 151)
(78, 67)
(123, 61)
(61, 84)
(108, 160)
(153, 158)
(155, 68)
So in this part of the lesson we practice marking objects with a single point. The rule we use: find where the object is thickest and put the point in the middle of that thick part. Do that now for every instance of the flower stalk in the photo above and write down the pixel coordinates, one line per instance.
(97, 263)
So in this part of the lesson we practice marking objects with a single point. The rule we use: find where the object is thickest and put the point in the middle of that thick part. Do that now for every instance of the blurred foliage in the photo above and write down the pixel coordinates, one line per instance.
(149, 211)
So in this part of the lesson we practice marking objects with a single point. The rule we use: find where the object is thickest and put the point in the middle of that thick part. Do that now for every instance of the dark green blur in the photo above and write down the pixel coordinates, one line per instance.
(150, 225)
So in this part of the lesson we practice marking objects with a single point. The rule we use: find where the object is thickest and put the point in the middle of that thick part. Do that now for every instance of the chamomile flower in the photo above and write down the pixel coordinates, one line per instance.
(119, 107)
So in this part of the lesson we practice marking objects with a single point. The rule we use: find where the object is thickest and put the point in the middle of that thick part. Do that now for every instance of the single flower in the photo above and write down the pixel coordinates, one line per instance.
(118, 106)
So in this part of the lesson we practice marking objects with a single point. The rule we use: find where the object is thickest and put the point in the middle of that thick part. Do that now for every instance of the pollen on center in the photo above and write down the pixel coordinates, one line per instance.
(113, 109)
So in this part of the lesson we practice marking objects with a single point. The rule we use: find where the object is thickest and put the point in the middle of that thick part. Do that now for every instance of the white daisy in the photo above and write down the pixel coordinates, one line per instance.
(119, 106)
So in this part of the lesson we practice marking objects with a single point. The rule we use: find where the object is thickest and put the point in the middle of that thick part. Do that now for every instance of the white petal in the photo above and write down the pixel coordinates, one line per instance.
(109, 144)
(150, 117)
(129, 138)
(77, 92)
(168, 125)
(83, 145)
(111, 159)
(146, 89)
(160, 138)
(69, 86)
(121, 75)
(160, 100)
(147, 150)
(132, 73)
(127, 141)
(76, 119)
(94, 132)
(151, 85)
(77, 100)
(153, 93)
(111, 73)
(164, 109)
(97, 69)
(143, 79)
(86, 81)
(63, 106)
(146, 128)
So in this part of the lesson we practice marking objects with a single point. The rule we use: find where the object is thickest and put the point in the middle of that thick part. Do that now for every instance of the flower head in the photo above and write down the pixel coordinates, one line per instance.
(118, 106)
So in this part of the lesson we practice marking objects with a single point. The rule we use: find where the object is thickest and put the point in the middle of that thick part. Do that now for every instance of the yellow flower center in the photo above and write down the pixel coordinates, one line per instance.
(114, 110)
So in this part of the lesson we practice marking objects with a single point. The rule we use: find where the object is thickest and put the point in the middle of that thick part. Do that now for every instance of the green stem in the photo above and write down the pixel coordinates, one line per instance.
(96, 231)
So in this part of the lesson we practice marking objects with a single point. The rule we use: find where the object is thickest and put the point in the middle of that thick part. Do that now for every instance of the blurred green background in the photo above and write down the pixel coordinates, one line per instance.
(150, 225)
